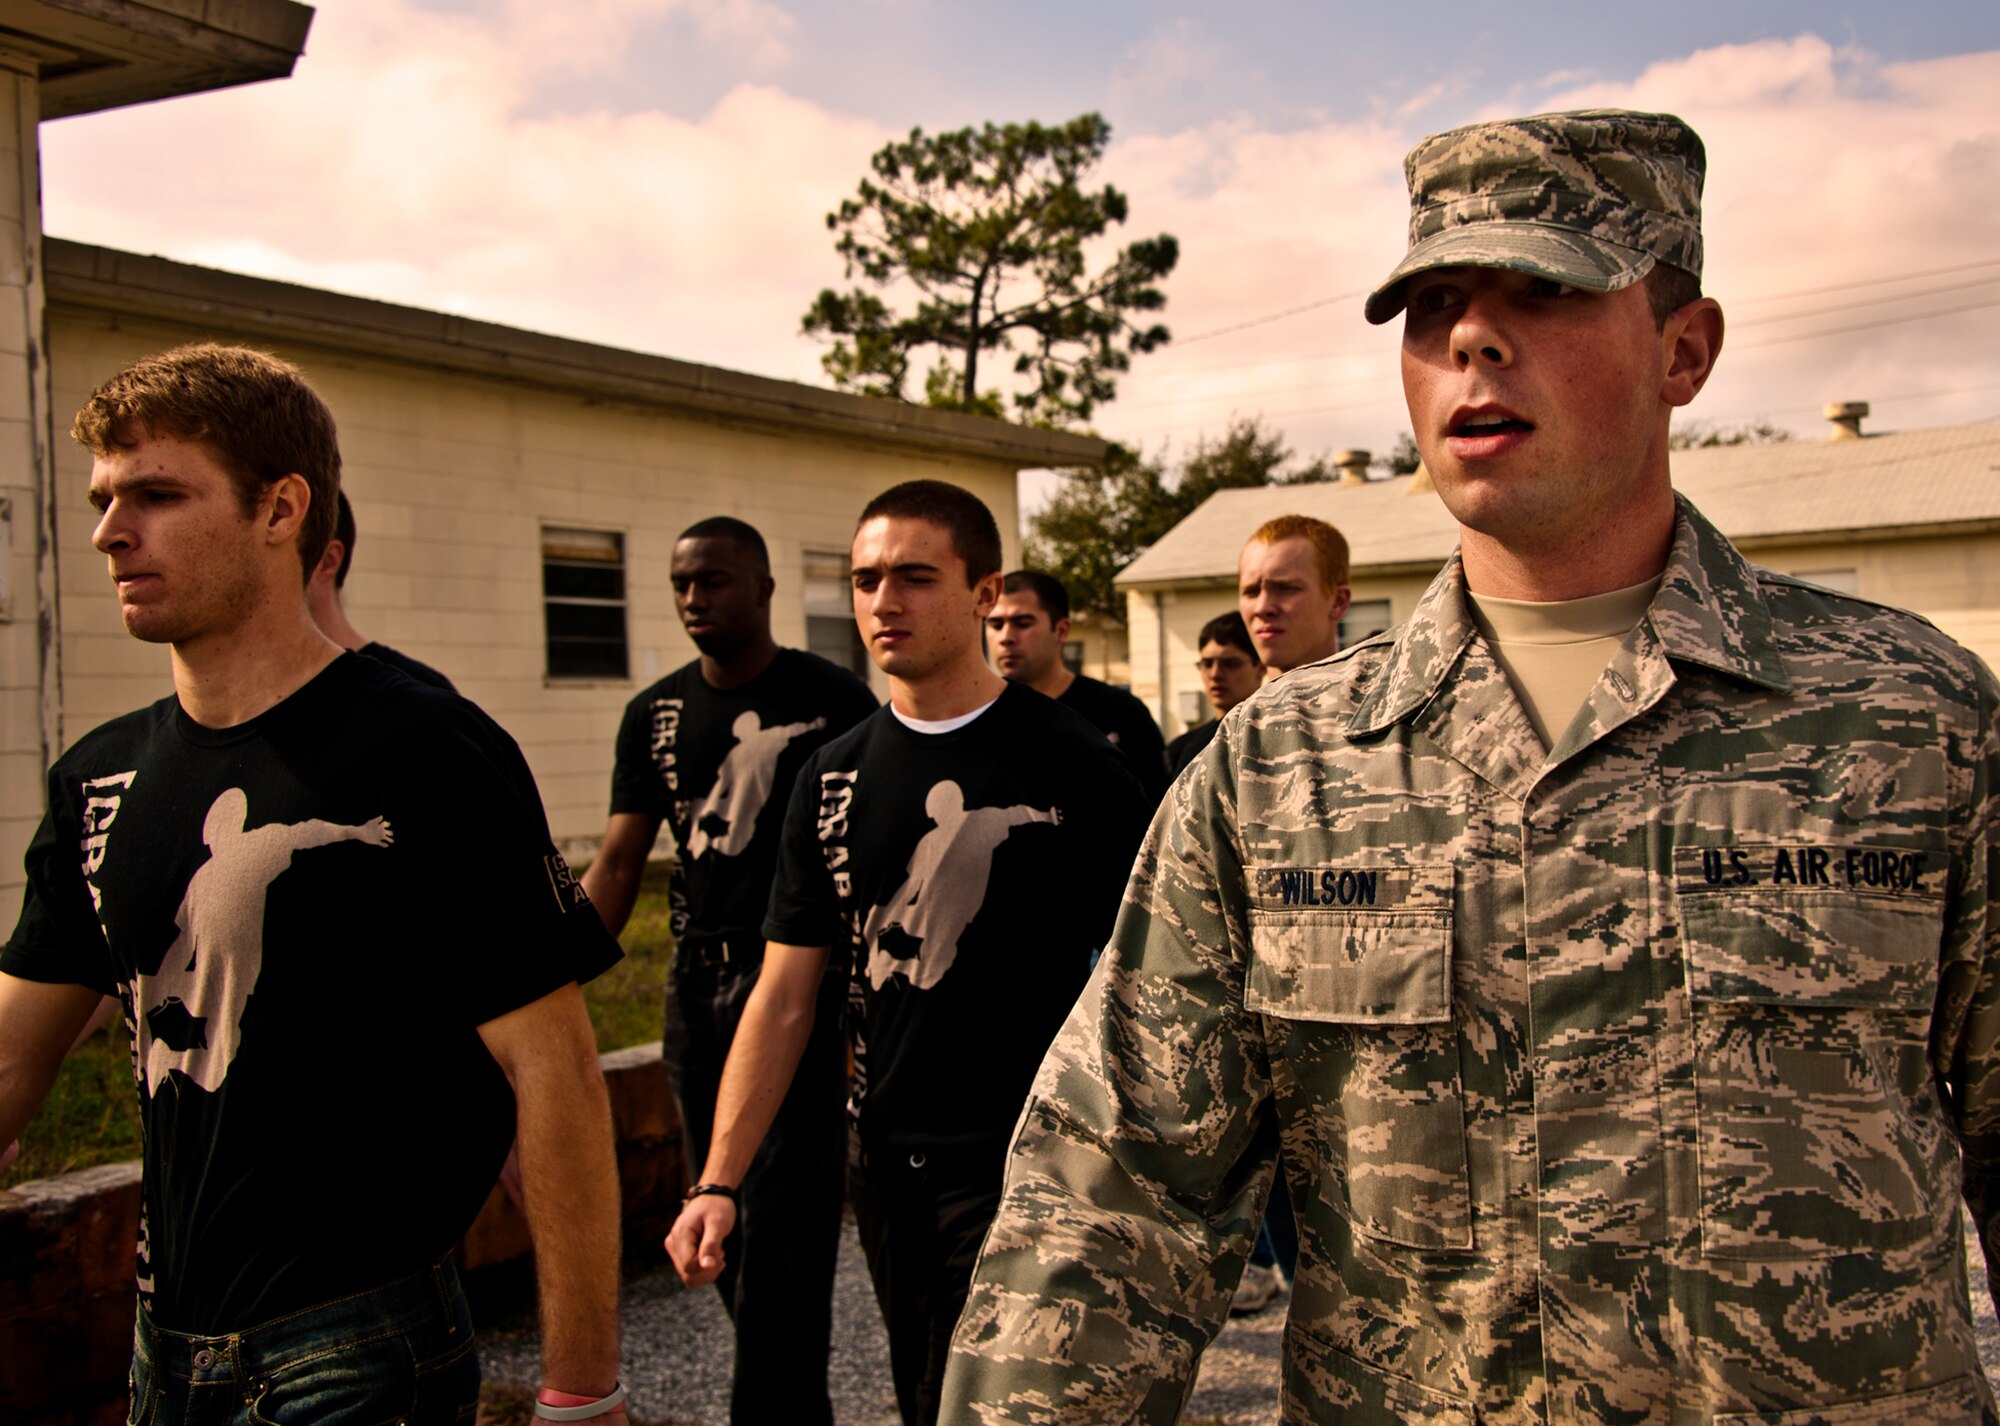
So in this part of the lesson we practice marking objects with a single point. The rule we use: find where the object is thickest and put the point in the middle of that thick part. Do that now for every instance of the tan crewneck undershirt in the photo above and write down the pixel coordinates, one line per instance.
(1555, 653)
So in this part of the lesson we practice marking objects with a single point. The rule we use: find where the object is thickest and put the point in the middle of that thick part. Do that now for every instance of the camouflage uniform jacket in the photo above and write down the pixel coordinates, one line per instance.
(1627, 1084)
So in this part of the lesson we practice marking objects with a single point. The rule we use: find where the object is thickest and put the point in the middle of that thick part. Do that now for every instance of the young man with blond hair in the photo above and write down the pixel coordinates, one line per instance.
(1291, 588)
(332, 1057)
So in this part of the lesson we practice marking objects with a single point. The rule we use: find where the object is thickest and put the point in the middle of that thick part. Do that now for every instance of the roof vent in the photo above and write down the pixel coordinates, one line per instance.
(1353, 466)
(1846, 417)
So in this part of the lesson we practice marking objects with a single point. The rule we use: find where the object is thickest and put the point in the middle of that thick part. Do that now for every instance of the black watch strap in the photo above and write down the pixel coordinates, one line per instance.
(722, 1189)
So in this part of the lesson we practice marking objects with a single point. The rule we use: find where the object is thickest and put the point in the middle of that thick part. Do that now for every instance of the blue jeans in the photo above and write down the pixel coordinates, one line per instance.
(402, 1352)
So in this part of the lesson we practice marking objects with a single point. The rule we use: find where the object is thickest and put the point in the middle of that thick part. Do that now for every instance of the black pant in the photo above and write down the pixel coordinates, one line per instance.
(778, 1285)
(922, 1217)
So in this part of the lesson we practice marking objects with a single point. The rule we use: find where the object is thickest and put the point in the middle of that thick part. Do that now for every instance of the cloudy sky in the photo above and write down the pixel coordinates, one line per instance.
(654, 174)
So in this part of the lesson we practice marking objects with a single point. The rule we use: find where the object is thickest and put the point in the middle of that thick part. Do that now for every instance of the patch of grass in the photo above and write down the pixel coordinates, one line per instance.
(628, 1001)
(91, 1116)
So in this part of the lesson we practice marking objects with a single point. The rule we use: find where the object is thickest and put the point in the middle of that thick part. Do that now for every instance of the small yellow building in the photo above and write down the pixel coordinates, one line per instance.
(517, 497)
(1910, 518)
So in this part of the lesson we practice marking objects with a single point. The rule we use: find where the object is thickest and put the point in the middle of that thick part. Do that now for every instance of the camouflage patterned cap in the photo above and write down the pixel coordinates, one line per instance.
(1592, 198)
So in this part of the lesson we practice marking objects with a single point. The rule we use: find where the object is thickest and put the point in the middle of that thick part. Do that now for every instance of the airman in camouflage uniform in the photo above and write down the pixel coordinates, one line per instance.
(1631, 1080)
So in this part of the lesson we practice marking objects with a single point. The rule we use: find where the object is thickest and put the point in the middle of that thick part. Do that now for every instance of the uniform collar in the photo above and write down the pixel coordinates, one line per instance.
(1709, 611)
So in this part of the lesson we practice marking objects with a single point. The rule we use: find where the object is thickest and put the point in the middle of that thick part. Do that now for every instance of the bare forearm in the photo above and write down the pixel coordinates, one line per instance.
(762, 1059)
(611, 881)
(38, 1025)
(569, 1189)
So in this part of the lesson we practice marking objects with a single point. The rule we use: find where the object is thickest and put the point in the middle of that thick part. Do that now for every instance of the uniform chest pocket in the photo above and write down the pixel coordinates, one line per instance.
(1811, 1001)
(1352, 968)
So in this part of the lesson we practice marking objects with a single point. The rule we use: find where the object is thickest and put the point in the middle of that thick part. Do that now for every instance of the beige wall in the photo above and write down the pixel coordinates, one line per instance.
(452, 477)
(1106, 650)
(25, 724)
(1954, 581)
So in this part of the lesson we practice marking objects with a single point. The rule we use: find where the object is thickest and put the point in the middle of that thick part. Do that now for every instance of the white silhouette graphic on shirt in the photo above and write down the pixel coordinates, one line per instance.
(946, 883)
(727, 817)
(211, 968)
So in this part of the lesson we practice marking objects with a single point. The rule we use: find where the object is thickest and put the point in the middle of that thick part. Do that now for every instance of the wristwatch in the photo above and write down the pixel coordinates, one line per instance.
(721, 1189)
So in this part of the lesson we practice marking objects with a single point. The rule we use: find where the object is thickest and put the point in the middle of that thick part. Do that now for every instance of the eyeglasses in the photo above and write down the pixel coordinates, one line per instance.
(1231, 663)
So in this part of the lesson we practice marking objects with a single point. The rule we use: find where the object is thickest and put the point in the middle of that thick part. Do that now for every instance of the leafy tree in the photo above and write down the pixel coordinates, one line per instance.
(1103, 519)
(1404, 459)
(1700, 435)
(989, 226)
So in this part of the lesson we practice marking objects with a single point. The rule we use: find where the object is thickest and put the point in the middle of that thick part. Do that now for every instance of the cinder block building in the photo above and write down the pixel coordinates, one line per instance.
(1909, 518)
(517, 498)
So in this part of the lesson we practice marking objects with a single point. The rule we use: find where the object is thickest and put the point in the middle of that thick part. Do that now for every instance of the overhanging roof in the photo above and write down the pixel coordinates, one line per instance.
(235, 307)
(104, 54)
(1899, 484)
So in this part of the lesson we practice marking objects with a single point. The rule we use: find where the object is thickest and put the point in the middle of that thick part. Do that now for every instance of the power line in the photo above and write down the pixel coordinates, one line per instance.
(1855, 285)
(1746, 416)
(1870, 326)
(1872, 301)
(1869, 282)
(1814, 410)
(1260, 321)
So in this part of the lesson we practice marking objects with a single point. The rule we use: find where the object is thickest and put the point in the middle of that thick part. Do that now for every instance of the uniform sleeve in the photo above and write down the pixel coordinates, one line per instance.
(58, 940)
(803, 910)
(1965, 1045)
(636, 785)
(515, 923)
(1138, 1174)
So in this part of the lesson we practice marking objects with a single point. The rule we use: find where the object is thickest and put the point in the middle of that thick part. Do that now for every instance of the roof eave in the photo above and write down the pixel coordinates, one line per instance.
(125, 284)
(91, 55)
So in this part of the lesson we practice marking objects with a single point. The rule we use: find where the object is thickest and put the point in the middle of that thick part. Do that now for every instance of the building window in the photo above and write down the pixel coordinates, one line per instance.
(1840, 581)
(1364, 619)
(829, 597)
(583, 602)
(1072, 655)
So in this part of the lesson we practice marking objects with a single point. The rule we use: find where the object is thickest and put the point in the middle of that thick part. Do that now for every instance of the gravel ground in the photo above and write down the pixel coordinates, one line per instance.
(678, 1353)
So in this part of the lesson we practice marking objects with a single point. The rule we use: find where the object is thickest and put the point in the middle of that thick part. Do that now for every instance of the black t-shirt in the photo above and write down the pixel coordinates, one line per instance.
(938, 863)
(717, 766)
(307, 917)
(1190, 745)
(1127, 723)
(415, 668)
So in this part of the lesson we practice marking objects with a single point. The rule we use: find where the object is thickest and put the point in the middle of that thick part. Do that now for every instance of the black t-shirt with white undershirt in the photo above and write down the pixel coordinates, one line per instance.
(969, 875)
(1126, 722)
(307, 916)
(717, 766)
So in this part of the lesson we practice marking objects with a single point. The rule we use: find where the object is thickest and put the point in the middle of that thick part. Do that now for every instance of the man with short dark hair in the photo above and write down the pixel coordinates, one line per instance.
(712, 751)
(960, 854)
(1026, 632)
(329, 610)
(1291, 589)
(253, 866)
(1230, 672)
(1629, 1013)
